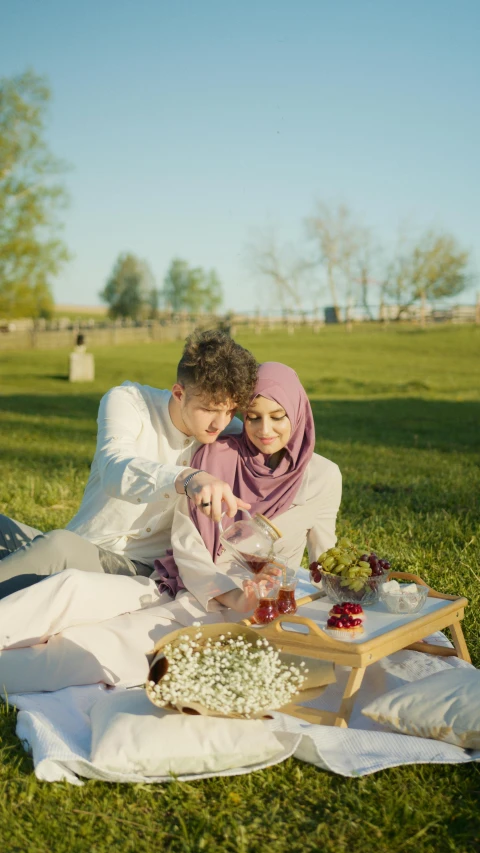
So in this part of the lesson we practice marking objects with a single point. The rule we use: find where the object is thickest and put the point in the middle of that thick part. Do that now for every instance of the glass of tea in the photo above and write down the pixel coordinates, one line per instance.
(286, 594)
(267, 594)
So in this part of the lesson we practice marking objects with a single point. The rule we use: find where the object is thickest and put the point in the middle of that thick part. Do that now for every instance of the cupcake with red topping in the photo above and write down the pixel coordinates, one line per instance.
(348, 608)
(344, 627)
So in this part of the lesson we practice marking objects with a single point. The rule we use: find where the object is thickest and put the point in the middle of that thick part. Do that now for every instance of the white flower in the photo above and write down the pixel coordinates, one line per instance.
(228, 676)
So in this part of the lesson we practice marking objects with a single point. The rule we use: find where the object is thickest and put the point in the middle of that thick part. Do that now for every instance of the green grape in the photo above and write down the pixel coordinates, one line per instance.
(328, 563)
(323, 557)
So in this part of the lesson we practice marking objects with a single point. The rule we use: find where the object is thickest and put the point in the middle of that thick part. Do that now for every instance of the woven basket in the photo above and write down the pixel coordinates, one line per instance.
(320, 673)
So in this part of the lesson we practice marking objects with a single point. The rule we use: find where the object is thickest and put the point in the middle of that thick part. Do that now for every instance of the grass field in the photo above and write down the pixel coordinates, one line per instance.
(398, 410)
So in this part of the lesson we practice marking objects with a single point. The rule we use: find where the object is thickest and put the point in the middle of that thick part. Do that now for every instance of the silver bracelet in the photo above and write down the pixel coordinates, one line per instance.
(190, 477)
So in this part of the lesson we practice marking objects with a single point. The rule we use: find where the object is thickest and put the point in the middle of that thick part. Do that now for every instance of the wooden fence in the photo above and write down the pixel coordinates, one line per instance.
(178, 327)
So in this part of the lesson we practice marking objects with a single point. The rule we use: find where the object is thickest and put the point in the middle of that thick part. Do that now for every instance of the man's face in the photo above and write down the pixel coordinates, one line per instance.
(203, 418)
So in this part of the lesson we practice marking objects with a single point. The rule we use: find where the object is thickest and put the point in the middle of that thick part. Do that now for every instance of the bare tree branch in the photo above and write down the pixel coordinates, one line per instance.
(285, 274)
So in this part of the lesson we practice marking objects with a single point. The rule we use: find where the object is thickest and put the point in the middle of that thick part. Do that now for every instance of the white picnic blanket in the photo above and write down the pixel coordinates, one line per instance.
(55, 727)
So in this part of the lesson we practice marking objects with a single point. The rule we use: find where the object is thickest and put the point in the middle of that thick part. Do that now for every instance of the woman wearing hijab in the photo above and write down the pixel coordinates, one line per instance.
(273, 467)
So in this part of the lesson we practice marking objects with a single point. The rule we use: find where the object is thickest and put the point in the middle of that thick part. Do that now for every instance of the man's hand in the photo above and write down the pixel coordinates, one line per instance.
(208, 493)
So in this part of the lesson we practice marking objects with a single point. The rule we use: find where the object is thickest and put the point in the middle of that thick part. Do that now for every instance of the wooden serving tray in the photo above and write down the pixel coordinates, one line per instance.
(388, 633)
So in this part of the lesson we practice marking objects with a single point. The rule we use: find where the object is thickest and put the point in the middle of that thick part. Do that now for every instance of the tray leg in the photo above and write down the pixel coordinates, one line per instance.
(311, 715)
(353, 686)
(459, 642)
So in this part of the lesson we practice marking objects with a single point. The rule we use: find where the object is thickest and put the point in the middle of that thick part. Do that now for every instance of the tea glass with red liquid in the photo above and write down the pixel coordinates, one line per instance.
(286, 596)
(267, 608)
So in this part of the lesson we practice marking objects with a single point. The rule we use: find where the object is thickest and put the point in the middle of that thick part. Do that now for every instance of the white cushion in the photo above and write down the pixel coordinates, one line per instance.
(131, 735)
(444, 706)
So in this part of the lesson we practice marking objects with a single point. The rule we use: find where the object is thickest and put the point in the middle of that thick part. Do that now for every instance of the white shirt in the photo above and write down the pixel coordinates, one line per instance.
(310, 520)
(129, 500)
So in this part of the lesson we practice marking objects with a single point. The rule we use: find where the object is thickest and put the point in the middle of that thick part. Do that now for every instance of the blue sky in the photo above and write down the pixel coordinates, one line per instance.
(193, 126)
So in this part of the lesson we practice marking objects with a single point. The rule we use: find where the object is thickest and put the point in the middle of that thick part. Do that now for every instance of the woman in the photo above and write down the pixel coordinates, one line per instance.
(273, 467)
(81, 628)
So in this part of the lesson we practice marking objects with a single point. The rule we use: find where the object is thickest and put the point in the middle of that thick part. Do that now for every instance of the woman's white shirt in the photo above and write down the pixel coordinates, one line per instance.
(310, 520)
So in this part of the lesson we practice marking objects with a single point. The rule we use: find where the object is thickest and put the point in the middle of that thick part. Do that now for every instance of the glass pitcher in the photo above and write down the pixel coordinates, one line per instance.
(250, 540)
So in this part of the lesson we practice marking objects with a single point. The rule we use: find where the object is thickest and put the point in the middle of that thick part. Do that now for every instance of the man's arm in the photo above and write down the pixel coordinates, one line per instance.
(123, 472)
(205, 489)
(127, 476)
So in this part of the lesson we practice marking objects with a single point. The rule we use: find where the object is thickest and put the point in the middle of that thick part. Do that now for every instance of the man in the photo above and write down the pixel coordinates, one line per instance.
(145, 442)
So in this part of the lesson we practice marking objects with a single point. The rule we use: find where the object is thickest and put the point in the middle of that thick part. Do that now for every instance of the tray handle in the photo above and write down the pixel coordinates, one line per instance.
(275, 627)
(312, 626)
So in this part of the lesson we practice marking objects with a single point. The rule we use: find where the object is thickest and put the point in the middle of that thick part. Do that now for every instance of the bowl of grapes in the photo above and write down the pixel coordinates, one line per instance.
(348, 572)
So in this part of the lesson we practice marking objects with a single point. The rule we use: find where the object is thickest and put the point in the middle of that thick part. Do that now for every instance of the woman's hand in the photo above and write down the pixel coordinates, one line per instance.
(242, 601)
(272, 570)
(249, 598)
(245, 600)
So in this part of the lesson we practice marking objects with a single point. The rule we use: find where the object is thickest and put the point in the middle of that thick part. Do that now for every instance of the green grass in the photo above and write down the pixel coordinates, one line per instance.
(398, 410)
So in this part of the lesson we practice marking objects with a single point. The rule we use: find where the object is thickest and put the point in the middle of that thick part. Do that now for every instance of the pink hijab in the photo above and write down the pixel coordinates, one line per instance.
(239, 463)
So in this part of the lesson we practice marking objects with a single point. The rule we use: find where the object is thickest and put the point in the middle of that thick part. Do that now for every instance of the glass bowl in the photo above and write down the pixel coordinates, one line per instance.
(406, 602)
(332, 587)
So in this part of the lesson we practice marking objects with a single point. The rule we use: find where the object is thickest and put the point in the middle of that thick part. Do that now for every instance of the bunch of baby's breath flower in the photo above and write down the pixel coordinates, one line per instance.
(227, 675)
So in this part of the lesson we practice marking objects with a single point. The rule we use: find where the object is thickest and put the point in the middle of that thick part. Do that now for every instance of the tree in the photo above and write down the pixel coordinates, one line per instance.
(432, 268)
(368, 267)
(130, 290)
(212, 292)
(284, 268)
(337, 239)
(31, 252)
(192, 289)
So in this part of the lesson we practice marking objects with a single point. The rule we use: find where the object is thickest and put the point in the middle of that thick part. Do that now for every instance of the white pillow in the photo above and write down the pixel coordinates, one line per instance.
(131, 735)
(444, 706)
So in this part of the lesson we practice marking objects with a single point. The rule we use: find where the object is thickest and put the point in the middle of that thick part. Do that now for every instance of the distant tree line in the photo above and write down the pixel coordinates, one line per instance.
(341, 259)
(339, 256)
(130, 291)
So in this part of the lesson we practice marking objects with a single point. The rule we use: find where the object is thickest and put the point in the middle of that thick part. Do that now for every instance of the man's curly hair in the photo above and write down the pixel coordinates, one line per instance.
(217, 368)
